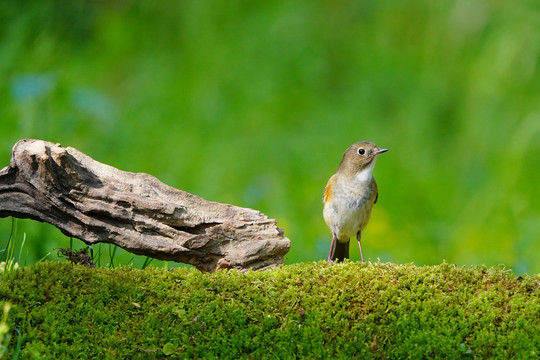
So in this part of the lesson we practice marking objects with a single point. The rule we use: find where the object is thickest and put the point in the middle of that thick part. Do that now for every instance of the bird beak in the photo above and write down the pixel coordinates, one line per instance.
(381, 151)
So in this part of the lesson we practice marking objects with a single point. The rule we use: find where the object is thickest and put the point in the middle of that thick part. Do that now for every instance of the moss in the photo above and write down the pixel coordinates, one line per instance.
(307, 310)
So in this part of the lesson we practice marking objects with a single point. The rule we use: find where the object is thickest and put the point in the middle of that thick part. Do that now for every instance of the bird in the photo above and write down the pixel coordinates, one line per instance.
(349, 197)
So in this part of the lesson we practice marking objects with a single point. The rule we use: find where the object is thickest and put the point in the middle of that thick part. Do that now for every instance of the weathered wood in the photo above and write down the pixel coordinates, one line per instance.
(98, 203)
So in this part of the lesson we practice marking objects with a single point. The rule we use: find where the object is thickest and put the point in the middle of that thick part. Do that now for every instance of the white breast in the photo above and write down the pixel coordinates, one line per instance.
(350, 207)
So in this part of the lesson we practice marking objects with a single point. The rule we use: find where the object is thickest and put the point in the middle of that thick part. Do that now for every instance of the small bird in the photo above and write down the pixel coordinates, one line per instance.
(349, 197)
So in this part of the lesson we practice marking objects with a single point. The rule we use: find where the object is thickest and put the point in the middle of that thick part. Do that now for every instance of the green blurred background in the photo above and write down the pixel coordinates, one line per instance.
(253, 103)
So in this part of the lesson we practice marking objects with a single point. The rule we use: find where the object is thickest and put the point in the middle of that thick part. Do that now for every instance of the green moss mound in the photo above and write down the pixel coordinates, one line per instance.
(306, 310)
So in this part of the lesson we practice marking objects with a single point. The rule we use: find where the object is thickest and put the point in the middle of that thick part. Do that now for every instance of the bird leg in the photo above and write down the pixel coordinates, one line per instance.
(358, 236)
(332, 246)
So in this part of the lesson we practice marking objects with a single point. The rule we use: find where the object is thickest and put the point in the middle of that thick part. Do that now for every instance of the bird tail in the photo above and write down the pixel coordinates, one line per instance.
(338, 251)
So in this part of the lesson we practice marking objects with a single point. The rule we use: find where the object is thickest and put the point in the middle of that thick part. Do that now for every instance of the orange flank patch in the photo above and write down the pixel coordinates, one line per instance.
(328, 189)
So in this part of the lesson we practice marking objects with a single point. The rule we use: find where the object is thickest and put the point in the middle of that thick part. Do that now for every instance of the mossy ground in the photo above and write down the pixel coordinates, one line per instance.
(306, 310)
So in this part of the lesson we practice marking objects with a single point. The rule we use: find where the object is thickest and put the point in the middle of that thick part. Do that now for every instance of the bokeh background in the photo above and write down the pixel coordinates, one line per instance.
(253, 103)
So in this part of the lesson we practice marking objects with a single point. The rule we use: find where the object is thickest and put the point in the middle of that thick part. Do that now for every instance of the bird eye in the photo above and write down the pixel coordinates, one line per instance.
(361, 151)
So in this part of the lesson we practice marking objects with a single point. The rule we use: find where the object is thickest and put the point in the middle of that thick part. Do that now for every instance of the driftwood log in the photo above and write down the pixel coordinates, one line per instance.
(98, 203)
